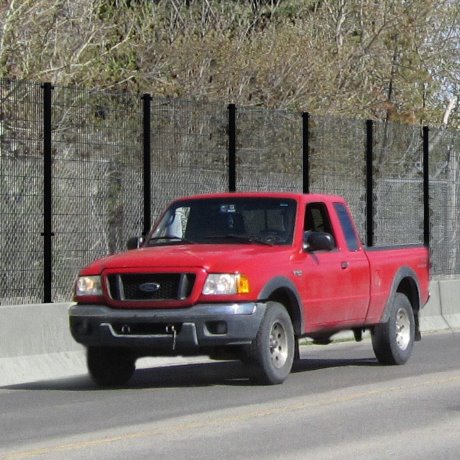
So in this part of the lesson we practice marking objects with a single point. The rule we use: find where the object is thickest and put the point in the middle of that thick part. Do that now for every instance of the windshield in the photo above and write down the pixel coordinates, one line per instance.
(228, 221)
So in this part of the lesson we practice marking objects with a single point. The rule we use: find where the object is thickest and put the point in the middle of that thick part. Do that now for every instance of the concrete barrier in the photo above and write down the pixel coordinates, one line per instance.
(431, 318)
(35, 342)
(450, 302)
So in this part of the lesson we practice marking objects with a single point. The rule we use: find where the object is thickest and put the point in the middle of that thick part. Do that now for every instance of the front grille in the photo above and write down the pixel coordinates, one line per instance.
(151, 286)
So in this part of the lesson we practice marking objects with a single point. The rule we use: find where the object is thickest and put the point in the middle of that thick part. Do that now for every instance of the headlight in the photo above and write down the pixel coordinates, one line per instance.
(88, 285)
(225, 284)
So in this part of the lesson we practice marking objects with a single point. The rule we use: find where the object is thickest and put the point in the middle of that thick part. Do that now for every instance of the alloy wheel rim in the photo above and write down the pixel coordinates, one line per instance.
(278, 345)
(402, 329)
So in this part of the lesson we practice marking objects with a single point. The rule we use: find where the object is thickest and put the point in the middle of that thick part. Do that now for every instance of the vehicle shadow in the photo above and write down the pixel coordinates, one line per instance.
(213, 373)
(171, 376)
(314, 364)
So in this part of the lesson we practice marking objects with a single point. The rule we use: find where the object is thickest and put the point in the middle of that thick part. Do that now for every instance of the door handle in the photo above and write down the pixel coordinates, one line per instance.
(344, 265)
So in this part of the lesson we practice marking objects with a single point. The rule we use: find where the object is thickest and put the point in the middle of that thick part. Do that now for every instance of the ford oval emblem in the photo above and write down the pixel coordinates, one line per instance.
(149, 287)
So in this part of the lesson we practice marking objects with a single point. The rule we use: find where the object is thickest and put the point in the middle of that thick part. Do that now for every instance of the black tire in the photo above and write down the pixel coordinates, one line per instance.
(393, 341)
(272, 351)
(110, 366)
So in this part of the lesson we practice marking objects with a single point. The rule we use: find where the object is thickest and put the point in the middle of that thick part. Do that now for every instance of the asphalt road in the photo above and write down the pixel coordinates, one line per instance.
(338, 403)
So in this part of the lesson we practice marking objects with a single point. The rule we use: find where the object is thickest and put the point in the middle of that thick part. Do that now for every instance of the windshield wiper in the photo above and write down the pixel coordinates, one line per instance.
(240, 238)
(169, 238)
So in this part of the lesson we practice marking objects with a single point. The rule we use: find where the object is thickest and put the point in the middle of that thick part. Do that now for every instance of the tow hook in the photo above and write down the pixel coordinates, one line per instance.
(171, 329)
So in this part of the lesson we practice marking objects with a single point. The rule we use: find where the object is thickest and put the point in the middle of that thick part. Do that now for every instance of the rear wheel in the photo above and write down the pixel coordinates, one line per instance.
(110, 366)
(272, 352)
(393, 341)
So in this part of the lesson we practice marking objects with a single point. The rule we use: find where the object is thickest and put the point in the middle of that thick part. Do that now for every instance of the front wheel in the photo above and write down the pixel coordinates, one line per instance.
(110, 366)
(273, 349)
(393, 341)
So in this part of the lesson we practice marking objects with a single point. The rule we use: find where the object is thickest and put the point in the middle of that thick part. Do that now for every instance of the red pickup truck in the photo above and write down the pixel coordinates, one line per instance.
(246, 275)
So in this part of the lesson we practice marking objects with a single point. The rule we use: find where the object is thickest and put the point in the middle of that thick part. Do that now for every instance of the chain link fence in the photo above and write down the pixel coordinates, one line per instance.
(189, 150)
(398, 184)
(97, 178)
(338, 162)
(445, 201)
(21, 191)
(98, 182)
(269, 150)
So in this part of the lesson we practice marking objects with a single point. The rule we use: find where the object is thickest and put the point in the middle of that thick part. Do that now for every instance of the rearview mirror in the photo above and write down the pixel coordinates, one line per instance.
(134, 242)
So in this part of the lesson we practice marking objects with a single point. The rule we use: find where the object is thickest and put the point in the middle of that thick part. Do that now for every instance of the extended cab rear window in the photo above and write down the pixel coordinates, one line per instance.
(347, 226)
(228, 221)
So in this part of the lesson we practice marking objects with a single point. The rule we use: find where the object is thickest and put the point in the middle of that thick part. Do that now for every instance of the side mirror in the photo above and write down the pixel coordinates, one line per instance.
(318, 241)
(134, 242)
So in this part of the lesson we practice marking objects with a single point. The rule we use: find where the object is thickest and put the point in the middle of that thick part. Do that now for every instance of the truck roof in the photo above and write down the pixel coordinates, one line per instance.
(300, 197)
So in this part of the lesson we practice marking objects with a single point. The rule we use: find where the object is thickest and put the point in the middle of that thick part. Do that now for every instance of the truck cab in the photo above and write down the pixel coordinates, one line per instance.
(247, 275)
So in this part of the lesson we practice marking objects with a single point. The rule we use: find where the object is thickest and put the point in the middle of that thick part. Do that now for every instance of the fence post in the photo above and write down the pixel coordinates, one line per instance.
(147, 153)
(47, 195)
(305, 153)
(369, 183)
(231, 147)
(426, 188)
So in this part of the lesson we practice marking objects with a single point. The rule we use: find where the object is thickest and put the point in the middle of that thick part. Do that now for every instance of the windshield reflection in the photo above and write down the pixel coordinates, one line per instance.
(227, 221)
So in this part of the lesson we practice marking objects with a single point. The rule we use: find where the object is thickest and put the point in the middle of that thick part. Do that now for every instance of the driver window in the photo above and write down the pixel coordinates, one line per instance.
(317, 219)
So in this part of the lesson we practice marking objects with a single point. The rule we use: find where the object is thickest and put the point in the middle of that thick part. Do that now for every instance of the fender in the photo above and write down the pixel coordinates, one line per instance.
(411, 290)
(285, 288)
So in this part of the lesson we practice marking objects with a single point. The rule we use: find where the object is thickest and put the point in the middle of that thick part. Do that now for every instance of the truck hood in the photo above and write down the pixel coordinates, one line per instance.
(211, 257)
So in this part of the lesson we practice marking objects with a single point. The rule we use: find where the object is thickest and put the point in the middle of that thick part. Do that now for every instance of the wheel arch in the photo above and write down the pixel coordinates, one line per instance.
(284, 291)
(405, 282)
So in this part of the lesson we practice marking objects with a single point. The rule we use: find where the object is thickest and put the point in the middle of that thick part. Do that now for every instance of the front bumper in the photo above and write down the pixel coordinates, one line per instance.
(167, 331)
